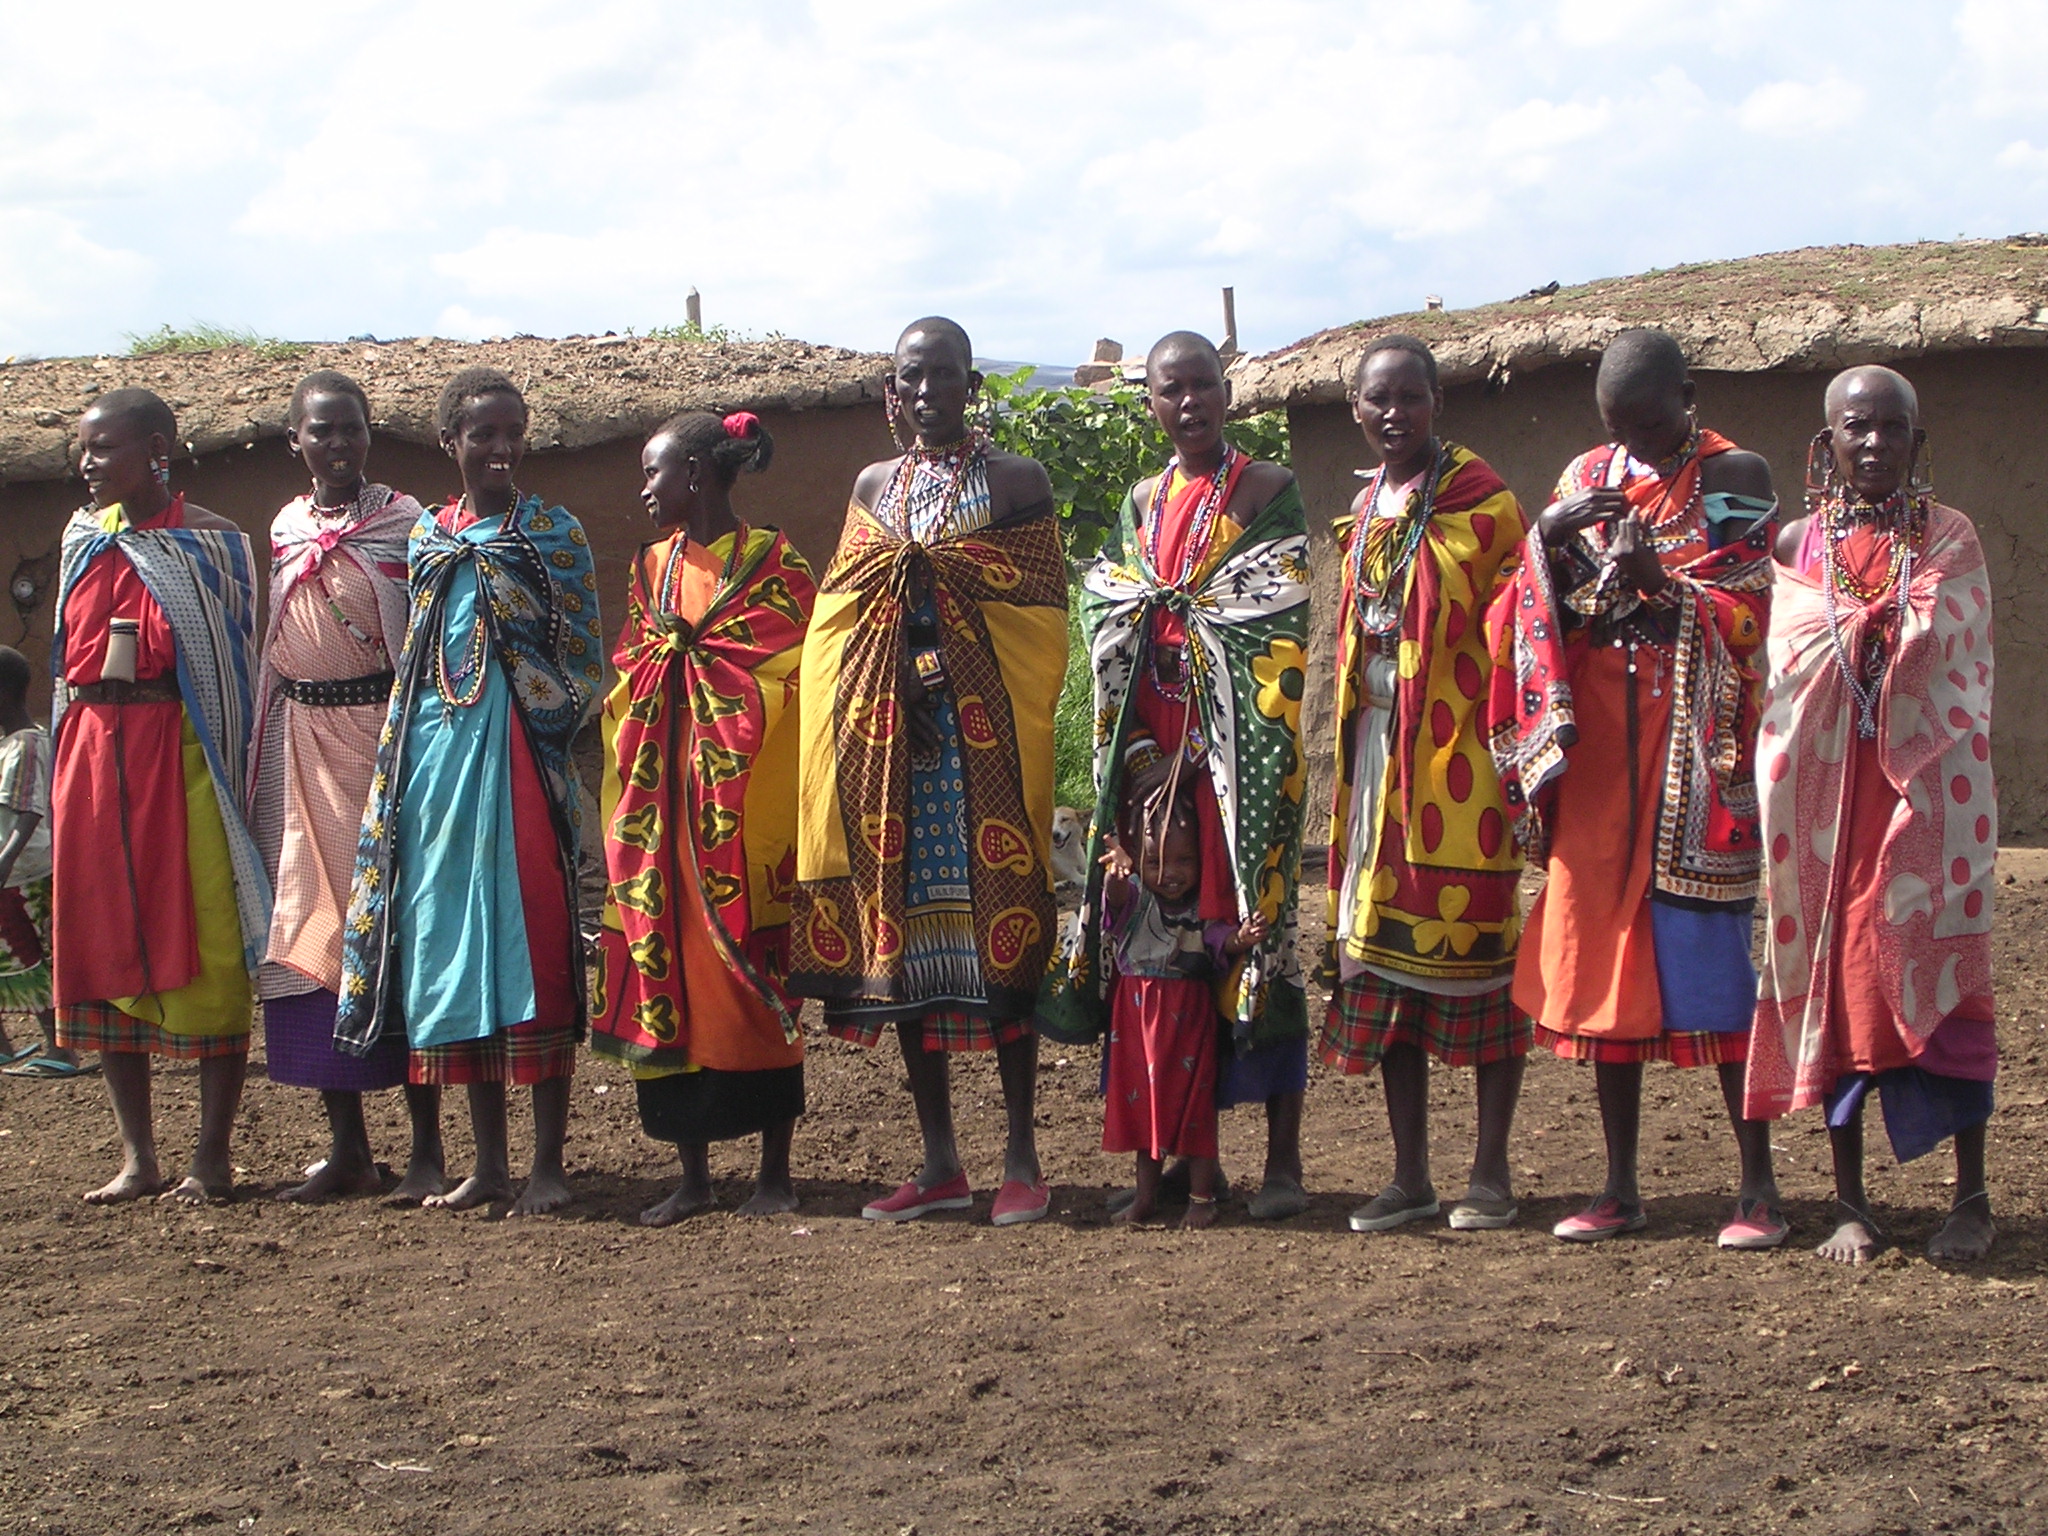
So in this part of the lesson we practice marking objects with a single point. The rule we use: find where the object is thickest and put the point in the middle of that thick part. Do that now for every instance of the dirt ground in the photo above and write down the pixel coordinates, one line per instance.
(359, 1368)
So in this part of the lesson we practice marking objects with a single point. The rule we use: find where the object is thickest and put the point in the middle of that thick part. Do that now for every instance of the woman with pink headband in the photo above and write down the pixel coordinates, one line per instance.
(700, 817)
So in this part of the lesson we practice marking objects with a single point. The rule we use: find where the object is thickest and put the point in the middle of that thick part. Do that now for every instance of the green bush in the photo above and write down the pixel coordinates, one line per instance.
(1073, 720)
(1097, 444)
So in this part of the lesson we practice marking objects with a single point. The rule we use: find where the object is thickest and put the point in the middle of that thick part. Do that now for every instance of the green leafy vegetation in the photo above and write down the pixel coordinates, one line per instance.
(715, 335)
(1073, 720)
(203, 337)
(1097, 444)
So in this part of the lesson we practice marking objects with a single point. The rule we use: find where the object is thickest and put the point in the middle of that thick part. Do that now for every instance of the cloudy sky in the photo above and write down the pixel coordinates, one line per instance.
(1045, 170)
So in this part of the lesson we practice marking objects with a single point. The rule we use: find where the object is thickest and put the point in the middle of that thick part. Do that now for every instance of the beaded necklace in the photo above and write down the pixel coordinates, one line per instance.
(347, 512)
(672, 574)
(450, 683)
(1903, 521)
(1200, 526)
(1669, 527)
(1381, 554)
(956, 459)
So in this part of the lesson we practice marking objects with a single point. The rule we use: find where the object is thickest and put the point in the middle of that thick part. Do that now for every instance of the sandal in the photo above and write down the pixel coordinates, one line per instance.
(1392, 1207)
(1604, 1218)
(1755, 1224)
(1484, 1213)
(49, 1067)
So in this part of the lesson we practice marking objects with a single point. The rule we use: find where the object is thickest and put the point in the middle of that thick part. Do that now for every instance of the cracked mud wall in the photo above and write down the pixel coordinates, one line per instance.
(817, 455)
(1983, 413)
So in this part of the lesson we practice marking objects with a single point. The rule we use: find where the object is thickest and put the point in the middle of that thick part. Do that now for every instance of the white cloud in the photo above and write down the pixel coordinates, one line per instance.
(49, 271)
(2021, 155)
(2005, 42)
(1050, 173)
(1797, 109)
(458, 323)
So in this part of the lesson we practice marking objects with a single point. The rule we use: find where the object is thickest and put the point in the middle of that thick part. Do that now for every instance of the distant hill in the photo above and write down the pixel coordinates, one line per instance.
(1042, 377)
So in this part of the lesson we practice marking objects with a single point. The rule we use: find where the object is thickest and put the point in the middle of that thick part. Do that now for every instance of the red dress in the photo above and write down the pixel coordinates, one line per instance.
(1160, 1065)
(122, 916)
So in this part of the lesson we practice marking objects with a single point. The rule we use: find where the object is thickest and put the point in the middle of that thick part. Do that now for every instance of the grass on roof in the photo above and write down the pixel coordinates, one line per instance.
(1865, 276)
(204, 337)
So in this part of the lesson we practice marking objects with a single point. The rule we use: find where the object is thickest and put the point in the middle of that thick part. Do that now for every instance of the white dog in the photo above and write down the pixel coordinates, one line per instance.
(1069, 848)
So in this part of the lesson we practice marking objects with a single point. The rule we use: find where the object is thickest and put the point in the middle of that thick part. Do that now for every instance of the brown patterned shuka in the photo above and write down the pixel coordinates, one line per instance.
(848, 939)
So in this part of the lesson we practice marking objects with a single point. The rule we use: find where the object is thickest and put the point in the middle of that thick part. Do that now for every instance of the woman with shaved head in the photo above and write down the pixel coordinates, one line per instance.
(1196, 613)
(1625, 707)
(923, 902)
(160, 901)
(1879, 816)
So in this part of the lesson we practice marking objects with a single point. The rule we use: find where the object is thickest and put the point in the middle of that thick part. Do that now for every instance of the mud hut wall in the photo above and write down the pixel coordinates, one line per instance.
(1979, 407)
(817, 455)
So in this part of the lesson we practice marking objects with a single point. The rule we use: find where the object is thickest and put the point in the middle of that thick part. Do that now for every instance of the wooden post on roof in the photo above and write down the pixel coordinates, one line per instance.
(1229, 347)
(693, 310)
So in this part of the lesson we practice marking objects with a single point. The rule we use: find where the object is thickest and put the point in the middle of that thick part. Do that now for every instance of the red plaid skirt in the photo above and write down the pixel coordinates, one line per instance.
(103, 1027)
(1368, 1013)
(523, 1055)
(1682, 1048)
(944, 1029)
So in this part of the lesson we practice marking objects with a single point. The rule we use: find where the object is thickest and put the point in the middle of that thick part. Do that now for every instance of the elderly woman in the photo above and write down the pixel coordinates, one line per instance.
(1879, 816)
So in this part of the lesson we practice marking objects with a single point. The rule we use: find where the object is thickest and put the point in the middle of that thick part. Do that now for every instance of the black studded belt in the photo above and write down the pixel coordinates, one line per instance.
(151, 690)
(340, 692)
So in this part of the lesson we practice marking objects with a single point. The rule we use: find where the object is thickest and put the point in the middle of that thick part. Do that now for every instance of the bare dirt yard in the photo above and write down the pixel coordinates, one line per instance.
(358, 1368)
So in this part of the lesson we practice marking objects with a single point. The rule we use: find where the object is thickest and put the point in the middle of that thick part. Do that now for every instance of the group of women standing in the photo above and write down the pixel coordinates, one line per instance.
(840, 788)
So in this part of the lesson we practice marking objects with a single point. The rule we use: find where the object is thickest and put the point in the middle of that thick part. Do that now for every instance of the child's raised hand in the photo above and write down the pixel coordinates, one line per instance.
(1116, 863)
(1250, 935)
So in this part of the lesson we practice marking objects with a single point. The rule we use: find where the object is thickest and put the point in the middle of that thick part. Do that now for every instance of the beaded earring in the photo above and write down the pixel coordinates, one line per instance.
(1920, 472)
(162, 470)
(893, 406)
(1822, 477)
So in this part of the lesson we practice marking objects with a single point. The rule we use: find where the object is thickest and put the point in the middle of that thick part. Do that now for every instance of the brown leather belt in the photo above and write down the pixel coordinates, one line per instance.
(150, 690)
(340, 692)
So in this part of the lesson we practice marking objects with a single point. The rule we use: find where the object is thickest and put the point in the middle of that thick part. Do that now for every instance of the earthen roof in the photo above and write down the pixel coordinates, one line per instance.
(1823, 307)
(583, 390)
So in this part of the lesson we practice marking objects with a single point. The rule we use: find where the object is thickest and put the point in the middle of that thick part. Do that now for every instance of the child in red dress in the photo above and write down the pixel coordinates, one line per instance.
(1160, 1090)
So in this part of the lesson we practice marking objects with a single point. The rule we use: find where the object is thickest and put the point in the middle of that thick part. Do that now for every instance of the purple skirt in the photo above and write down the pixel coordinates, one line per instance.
(298, 1042)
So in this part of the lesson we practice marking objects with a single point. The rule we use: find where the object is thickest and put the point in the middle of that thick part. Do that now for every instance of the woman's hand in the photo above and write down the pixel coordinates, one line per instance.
(1633, 556)
(1582, 510)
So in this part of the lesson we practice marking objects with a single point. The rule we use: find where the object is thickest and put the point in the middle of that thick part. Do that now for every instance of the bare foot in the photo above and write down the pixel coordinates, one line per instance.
(334, 1182)
(1853, 1242)
(128, 1184)
(1137, 1214)
(1966, 1236)
(1200, 1214)
(469, 1194)
(422, 1181)
(769, 1200)
(686, 1201)
(195, 1189)
(544, 1192)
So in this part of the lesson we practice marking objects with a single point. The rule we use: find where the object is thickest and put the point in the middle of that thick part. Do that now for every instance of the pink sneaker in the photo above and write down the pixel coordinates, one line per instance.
(1017, 1201)
(910, 1202)
(1755, 1225)
(1604, 1218)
